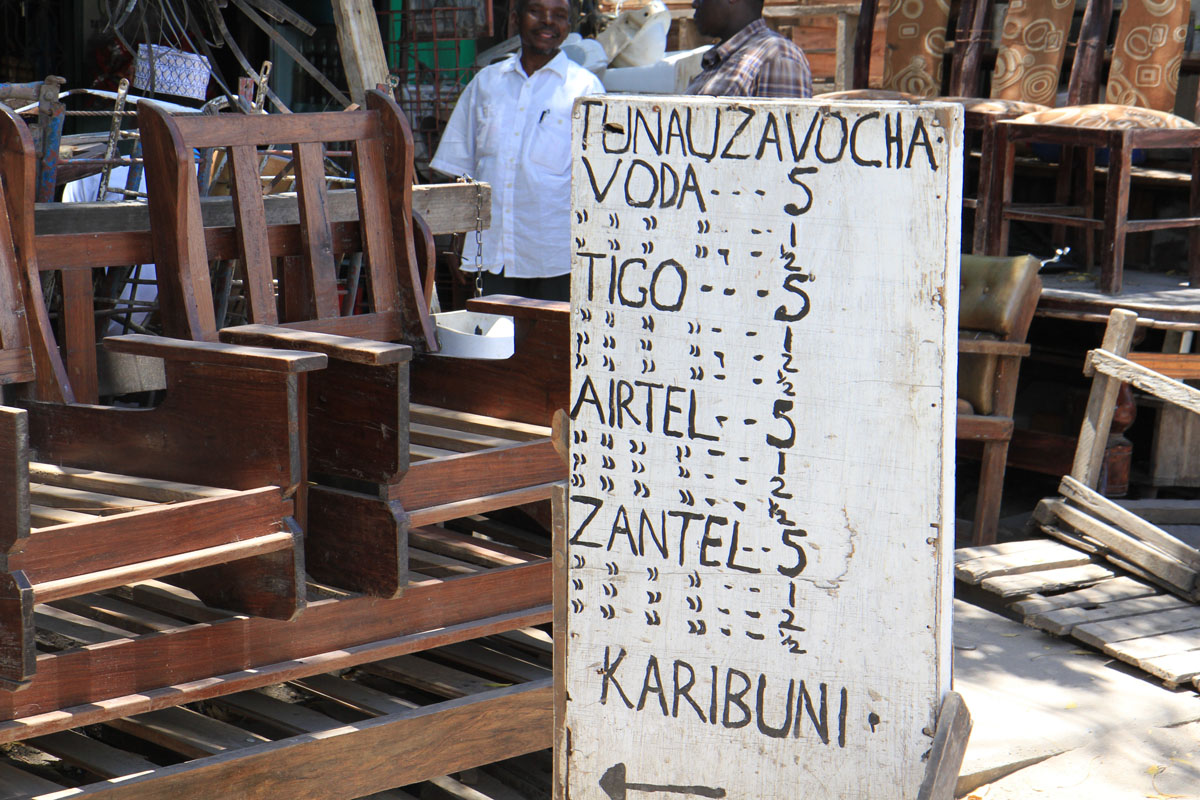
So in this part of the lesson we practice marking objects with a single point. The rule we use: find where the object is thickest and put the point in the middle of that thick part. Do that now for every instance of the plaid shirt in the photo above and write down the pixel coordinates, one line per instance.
(754, 62)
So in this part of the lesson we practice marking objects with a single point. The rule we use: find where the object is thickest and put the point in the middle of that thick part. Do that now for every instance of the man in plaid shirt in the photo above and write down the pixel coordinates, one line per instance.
(751, 60)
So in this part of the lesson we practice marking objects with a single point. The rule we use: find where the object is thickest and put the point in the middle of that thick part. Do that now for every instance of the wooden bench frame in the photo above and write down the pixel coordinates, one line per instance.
(219, 521)
(359, 506)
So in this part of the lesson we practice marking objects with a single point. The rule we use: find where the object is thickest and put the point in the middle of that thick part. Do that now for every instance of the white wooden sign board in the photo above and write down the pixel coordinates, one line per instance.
(763, 325)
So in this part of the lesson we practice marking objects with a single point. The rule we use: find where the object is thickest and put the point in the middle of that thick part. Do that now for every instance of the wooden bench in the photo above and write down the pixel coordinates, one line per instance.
(201, 488)
(360, 437)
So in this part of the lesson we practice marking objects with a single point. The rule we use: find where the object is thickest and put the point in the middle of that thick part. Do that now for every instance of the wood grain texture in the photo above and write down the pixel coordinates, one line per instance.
(230, 355)
(1100, 506)
(357, 542)
(16, 630)
(466, 475)
(240, 429)
(949, 745)
(149, 533)
(145, 668)
(358, 421)
(528, 387)
(361, 47)
(343, 348)
(392, 750)
(14, 478)
(1093, 435)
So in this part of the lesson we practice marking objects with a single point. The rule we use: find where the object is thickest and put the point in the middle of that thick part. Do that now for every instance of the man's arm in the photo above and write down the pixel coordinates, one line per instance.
(455, 154)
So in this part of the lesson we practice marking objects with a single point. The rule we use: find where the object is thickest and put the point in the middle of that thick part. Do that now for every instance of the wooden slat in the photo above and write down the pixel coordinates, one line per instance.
(45, 516)
(73, 626)
(160, 531)
(452, 440)
(1165, 512)
(1125, 520)
(434, 514)
(1116, 630)
(1102, 399)
(1147, 380)
(395, 750)
(91, 755)
(272, 128)
(1050, 580)
(17, 783)
(476, 423)
(82, 500)
(374, 213)
(1175, 669)
(355, 695)
(252, 234)
(16, 366)
(314, 227)
(117, 612)
(1177, 575)
(467, 548)
(1164, 644)
(47, 591)
(186, 732)
(964, 554)
(439, 565)
(1061, 621)
(288, 718)
(1122, 588)
(123, 485)
(1051, 555)
(1180, 366)
(480, 658)
(428, 676)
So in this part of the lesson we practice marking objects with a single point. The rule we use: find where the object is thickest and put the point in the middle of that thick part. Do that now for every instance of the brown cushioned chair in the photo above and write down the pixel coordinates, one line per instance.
(1140, 94)
(996, 304)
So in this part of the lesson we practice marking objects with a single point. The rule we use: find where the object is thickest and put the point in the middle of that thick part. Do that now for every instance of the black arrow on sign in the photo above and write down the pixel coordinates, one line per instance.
(616, 787)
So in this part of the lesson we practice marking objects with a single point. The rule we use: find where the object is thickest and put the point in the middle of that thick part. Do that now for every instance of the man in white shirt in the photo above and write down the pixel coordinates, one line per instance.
(512, 129)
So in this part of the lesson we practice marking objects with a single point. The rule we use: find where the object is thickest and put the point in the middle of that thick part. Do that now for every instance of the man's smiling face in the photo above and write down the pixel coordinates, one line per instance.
(543, 25)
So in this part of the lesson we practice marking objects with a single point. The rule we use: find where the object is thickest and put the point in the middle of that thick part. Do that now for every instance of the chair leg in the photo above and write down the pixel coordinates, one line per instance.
(987, 169)
(1194, 231)
(1000, 193)
(991, 487)
(1116, 213)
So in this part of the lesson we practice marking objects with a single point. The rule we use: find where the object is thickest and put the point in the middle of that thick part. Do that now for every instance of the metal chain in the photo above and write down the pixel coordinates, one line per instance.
(478, 232)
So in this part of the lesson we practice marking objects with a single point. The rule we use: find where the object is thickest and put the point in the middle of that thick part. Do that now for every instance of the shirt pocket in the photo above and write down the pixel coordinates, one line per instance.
(550, 144)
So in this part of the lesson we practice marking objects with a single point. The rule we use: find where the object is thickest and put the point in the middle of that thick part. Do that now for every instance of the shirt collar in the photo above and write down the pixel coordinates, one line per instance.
(722, 51)
(558, 64)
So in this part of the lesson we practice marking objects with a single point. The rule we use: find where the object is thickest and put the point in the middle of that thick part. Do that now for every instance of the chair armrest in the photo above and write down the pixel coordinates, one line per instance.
(520, 307)
(342, 348)
(227, 355)
(991, 347)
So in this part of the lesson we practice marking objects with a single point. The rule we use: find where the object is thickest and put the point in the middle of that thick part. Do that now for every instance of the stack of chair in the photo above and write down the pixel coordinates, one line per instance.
(366, 494)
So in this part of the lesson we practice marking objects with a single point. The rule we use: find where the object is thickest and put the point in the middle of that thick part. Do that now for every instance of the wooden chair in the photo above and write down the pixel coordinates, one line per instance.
(996, 304)
(1026, 77)
(200, 488)
(1136, 116)
(362, 431)
(915, 52)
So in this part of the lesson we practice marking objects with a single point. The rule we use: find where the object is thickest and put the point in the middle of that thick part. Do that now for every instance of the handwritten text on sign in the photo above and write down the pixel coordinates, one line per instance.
(760, 419)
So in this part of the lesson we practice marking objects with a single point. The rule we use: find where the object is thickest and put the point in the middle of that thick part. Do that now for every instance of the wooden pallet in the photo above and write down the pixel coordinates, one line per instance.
(346, 734)
(1068, 592)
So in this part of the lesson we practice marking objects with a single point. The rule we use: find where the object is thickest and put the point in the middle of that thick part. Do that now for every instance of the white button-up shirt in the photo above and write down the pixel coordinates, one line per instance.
(514, 132)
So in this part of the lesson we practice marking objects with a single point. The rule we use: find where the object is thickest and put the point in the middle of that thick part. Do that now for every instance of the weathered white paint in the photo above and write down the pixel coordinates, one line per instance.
(682, 414)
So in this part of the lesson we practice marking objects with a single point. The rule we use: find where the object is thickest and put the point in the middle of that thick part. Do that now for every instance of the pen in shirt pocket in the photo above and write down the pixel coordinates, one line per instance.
(543, 115)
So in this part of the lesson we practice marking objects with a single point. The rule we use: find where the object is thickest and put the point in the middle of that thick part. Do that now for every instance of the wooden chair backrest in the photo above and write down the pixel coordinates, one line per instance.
(382, 148)
(28, 351)
(1147, 54)
(916, 44)
(1033, 40)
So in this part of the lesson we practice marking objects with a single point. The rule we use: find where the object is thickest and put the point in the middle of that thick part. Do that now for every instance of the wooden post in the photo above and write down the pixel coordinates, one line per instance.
(361, 45)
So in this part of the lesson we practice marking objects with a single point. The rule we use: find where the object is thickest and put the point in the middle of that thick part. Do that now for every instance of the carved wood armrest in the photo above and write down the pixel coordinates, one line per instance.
(217, 353)
(342, 348)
